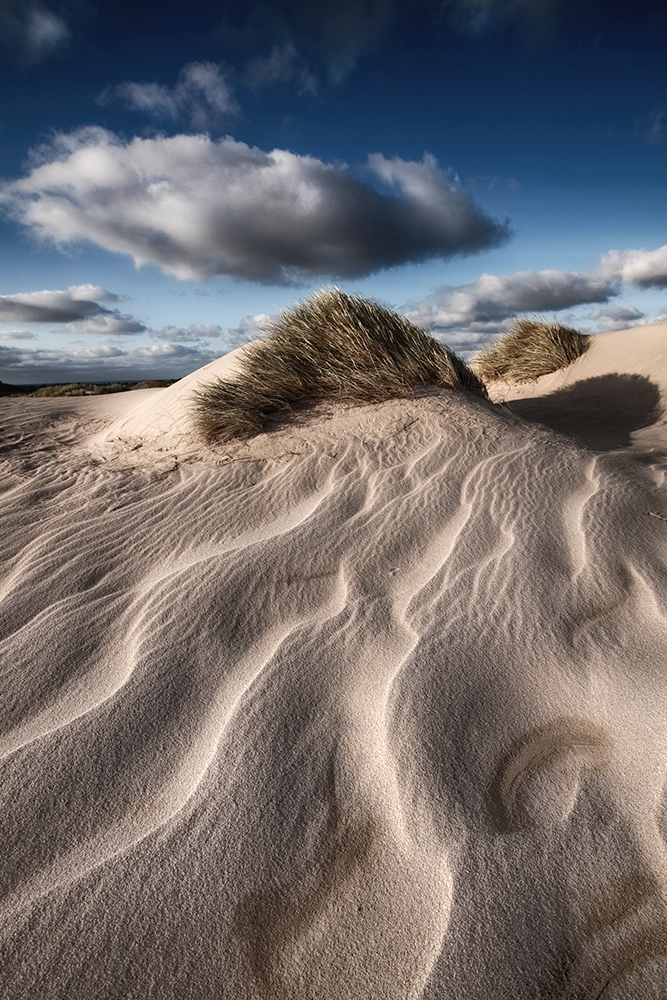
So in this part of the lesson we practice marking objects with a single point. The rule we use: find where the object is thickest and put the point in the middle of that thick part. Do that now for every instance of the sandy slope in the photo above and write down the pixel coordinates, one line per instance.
(372, 707)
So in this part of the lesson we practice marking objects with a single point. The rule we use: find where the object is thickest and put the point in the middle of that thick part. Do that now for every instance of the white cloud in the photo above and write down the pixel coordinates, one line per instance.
(195, 208)
(17, 335)
(616, 318)
(77, 306)
(201, 96)
(643, 268)
(282, 65)
(483, 307)
(30, 30)
(468, 316)
(249, 328)
(192, 334)
(45, 30)
(111, 323)
(75, 303)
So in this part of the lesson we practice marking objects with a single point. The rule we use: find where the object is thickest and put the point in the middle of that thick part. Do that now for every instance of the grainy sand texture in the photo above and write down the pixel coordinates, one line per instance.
(372, 706)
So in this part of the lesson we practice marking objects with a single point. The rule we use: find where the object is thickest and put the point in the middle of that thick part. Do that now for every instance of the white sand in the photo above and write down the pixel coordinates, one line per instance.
(371, 708)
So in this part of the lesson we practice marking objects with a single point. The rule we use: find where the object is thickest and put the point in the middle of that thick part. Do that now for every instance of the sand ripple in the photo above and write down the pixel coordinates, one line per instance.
(259, 712)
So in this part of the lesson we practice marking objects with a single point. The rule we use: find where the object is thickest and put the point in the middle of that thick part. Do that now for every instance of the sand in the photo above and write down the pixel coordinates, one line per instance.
(371, 706)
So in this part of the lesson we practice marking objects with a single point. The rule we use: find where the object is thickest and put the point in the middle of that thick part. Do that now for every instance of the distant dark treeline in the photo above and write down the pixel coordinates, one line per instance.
(81, 388)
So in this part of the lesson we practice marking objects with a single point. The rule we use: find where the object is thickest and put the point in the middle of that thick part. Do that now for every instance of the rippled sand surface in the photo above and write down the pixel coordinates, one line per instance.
(374, 706)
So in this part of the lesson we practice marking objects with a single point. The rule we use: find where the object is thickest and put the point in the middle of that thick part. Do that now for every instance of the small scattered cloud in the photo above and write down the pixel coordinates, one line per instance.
(537, 18)
(31, 30)
(193, 334)
(45, 30)
(249, 328)
(494, 184)
(109, 324)
(201, 96)
(197, 208)
(283, 65)
(75, 303)
(17, 335)
(327, 35)
(653, 127)
(612, 318)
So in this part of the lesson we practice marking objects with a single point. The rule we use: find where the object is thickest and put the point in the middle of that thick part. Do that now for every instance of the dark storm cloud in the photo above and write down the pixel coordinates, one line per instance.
(197, 208)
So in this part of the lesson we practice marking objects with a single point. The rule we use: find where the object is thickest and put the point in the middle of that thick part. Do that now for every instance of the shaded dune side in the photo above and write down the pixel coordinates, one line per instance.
(235, 698)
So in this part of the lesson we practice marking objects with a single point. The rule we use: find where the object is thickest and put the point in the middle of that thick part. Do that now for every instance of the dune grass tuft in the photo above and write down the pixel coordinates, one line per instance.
(98, 388)
(332, 347)
(529, 349)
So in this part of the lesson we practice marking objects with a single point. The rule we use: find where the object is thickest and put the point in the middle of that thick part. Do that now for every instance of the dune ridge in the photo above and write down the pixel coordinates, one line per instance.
(369, 706)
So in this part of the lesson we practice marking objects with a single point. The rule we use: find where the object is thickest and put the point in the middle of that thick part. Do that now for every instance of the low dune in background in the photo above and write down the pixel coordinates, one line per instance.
(371, 706)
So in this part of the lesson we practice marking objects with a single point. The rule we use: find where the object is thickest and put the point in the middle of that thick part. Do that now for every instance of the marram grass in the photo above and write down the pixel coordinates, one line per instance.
(529, 349)
(332, 347)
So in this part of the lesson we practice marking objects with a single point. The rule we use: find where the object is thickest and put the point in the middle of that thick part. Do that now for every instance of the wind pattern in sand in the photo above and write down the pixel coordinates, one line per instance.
(374, 707)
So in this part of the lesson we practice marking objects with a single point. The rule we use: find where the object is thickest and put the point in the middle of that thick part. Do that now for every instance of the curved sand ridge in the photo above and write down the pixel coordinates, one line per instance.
(371, 707)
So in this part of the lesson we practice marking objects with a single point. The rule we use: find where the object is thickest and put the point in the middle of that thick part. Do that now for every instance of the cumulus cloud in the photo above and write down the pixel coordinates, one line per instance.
(75, 303)
(642, 268)
(482, 308)
(109, 323)
(467, 316)
(196, 208)
(202, 96)
(78, 307)
(249, 328)
(616, 318)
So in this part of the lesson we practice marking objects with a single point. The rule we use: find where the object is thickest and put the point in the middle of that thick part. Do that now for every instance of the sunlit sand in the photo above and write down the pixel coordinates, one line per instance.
(373, 705)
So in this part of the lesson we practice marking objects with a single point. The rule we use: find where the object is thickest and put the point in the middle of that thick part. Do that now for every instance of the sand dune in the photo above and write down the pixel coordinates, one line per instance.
(371, 706)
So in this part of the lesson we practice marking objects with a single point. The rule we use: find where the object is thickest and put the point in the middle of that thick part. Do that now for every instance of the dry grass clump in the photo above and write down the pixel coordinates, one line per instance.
(76, 389)
(332, 347)
(99, 389)
(529, 349)
(153, 383)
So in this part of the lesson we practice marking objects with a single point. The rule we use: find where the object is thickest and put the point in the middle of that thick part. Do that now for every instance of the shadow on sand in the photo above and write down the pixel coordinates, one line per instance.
(600, 412)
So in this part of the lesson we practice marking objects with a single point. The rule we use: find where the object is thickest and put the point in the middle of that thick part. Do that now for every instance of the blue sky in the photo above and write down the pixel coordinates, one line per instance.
(172, 175)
